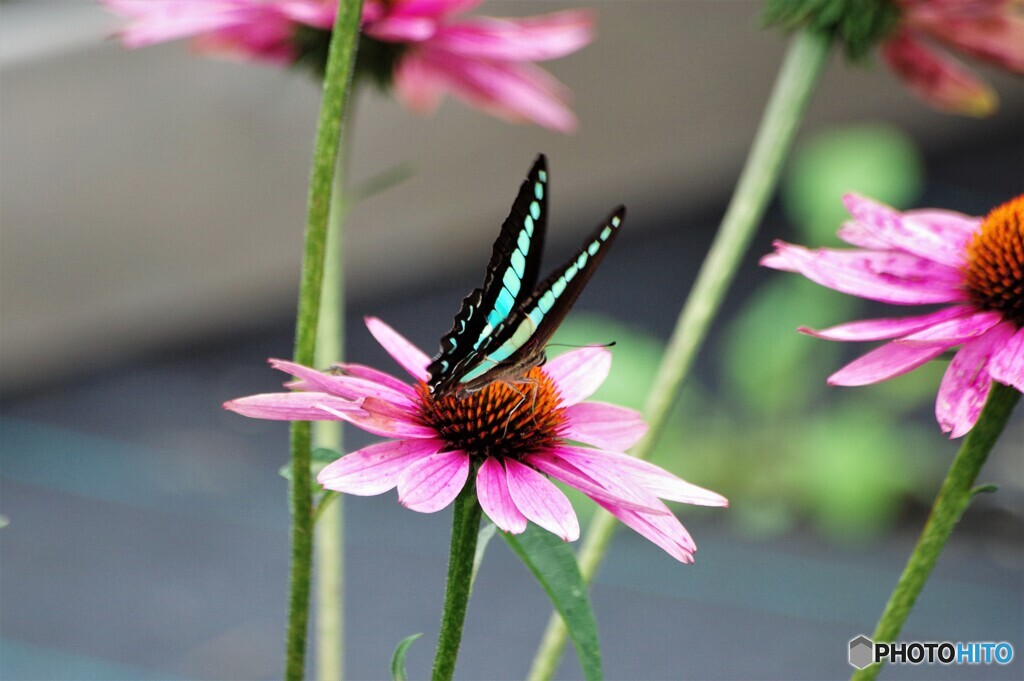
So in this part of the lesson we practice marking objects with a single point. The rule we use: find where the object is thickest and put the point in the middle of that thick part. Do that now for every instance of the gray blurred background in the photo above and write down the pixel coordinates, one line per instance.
(152, 212)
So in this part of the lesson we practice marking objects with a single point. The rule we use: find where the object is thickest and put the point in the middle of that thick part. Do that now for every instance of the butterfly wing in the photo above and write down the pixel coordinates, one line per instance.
(518, 344)
(511, 276)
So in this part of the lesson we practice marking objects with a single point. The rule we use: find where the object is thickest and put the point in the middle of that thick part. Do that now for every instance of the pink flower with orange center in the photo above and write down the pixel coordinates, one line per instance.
(990, 30)
(419, 45)
(507, 439)
(971, 266)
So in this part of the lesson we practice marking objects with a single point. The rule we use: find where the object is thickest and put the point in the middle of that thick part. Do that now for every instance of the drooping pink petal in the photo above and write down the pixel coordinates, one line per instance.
(408, 356)
(436, 9)
(991, 30)
(607, 426)
(399, 29)
(304, 406)
(515, 92)
(536, 38)
(882, 329)
(384, 419)
(1007, 365)
(375, 469)
(539, 500)
(665, 531)
(966, 383)
(956, 330)
(344, 386)
(937, 79)
(432, 483)
(371, 374)
(578, 373)
(419, 86)
(316, 13)
(857, 234)
(157, 21)
(885, 276)
(495, 500)
(618, 491)
(954, 229)
(888, 361)
(927, 238)
(644, 474)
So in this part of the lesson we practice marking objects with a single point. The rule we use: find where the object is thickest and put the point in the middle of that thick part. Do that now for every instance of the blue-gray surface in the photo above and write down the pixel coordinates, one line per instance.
(148, 540)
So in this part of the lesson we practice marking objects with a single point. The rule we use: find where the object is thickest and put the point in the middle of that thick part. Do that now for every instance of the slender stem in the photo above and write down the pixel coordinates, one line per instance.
(465, 528)
(328, 520)
(954, 496)
(790, 96)
(337, 81)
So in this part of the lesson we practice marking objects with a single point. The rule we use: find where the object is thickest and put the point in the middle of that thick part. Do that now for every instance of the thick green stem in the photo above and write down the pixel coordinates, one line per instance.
(796, 82)
(954, 496)
(329, 532)
(337, 83)
(465, 528)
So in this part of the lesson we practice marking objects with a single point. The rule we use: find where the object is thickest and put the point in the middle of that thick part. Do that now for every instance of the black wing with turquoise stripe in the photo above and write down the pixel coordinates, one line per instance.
(511, 276)
(517, 345)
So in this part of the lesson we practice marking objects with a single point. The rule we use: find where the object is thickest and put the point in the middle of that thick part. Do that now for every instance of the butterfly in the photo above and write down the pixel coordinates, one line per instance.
(501, 329)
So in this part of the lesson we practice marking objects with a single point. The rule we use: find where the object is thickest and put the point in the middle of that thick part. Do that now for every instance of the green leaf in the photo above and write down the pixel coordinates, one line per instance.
(553, 563)
(398, 659)
(984, 489)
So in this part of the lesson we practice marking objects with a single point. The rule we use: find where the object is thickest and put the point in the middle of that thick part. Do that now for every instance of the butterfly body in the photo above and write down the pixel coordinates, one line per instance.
(502, 328)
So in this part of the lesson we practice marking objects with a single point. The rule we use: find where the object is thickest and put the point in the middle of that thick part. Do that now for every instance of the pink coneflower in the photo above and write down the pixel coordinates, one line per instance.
(991, 30)
(972, 266)
(510, 438)
(418, 45)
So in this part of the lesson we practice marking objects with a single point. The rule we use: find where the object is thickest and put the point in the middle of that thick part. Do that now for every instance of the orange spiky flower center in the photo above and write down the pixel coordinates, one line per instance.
(501, 420)
(994, 273)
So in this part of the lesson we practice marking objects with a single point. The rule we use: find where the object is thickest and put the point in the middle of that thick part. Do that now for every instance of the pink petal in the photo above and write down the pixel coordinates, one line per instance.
(371, 374)
(885, 276)
(1008, 362)
(515, 92)
(539, 500)
(881, 329)
(408, 356)
(966, 382)
(578, 373)
(305, 406)
(375, 469)
(856, 234)
(418, 85)
(953, 229)
(993, 30)
(398, 29)
(955, 330)
(607, 426)
(438, 9)
(492, 491)
(617, 491)
(929, 239)
(157, 21)
(432, 483)
(528, 39)
(384, 419)
(316, 13)
(665, 531)
(654, 479)
(892, 359)
(937, 79)
(343, 386)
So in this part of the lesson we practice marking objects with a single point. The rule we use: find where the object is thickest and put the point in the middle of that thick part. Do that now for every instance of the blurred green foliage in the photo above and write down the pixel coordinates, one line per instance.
(768, 432)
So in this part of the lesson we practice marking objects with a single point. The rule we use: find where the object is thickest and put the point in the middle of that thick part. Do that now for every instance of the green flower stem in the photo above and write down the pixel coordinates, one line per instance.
(954, 496)
(337, 82)
(465, 528)
(790, 96)
(328, 520)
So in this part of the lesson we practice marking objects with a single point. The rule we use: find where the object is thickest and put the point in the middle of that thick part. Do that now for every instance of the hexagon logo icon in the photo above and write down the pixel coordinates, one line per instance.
(862, 651)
